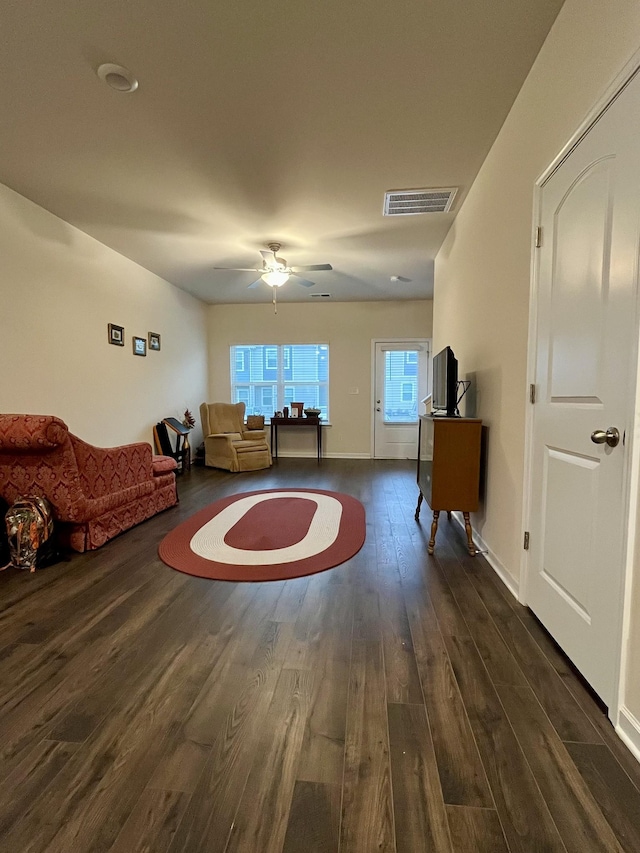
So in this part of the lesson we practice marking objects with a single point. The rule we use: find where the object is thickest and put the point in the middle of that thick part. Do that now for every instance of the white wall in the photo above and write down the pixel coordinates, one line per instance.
(482, 273)
(348, 328)
(59, 289)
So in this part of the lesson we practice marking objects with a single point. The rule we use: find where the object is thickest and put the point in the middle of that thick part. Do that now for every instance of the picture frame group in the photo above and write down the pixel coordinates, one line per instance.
(153, 341)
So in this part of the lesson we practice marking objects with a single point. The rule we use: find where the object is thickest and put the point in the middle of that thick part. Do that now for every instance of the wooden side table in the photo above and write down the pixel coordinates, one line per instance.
(295, 422)
(449, 469)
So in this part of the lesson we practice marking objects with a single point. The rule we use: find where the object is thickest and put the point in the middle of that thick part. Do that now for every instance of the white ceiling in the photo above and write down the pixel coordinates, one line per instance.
(259, 120)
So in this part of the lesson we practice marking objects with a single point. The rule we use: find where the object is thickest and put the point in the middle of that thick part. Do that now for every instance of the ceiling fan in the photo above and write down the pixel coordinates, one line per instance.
(276, 271)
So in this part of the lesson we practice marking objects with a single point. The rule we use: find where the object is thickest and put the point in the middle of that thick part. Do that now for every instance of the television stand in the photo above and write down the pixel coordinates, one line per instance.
(449, 470)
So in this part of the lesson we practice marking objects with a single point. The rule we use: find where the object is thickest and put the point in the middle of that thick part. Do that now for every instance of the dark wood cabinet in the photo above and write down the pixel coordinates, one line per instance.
(449, 469)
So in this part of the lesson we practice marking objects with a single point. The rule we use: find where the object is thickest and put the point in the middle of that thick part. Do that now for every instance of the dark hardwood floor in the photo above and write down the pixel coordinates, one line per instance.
(399, 702)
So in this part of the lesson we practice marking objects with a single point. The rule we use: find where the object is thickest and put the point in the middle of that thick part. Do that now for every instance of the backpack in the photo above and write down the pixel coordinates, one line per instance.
(29, 523)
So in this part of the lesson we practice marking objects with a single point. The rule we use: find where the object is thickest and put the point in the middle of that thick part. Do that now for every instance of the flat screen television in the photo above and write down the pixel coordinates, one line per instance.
(444, 396)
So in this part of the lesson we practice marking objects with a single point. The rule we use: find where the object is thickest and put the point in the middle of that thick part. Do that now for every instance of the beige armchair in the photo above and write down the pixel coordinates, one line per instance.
(228, 443)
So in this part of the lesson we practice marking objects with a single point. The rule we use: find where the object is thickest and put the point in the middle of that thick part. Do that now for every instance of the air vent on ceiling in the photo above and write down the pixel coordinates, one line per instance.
(407, 202)
(320, 295)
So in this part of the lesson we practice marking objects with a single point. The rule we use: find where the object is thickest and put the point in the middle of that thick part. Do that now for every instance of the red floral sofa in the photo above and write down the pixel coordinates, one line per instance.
(95, 492)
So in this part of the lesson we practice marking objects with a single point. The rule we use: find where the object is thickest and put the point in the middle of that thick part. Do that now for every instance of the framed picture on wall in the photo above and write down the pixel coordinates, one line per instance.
(139, 346)
(116, 334)
(154, 340)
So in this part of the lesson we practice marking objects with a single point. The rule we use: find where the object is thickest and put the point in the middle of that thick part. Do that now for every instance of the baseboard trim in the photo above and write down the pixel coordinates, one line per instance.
(505, 576)
(628, 729)
(295, 454)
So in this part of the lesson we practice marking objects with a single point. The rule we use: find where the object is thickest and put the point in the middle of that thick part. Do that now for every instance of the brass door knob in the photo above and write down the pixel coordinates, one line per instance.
(610, 437)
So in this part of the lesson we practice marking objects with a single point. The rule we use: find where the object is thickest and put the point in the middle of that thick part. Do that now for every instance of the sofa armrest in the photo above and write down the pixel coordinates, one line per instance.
(254, 434)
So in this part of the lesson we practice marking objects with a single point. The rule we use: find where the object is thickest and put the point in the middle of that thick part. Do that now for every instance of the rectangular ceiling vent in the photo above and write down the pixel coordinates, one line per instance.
(320, 295)
(409, 202)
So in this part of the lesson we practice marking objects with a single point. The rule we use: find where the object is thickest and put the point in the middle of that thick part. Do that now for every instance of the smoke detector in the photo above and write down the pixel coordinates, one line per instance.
(117, 77)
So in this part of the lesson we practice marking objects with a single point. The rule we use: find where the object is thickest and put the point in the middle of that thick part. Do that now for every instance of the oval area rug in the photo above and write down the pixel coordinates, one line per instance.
(267, 535)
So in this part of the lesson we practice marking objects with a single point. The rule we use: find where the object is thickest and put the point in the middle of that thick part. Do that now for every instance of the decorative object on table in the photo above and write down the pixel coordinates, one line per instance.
(278, 415)
(188, 420)
(285, 412)
(116, 334)
(296, 410)
(154, 341)
(313, 413)
(228, 443)
(139, 346)
(29, 523)
(96, 492)
(267, 535)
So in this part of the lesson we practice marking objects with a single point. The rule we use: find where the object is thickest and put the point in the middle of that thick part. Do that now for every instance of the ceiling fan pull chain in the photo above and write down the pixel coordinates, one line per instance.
(275, 300)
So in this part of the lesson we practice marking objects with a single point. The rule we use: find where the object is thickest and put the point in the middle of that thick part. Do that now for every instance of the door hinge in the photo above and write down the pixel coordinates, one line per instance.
(526, 540)
(538, 236)
(532, 393)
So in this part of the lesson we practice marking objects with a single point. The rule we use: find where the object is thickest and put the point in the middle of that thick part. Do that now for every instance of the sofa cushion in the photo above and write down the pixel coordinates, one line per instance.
(163, 465)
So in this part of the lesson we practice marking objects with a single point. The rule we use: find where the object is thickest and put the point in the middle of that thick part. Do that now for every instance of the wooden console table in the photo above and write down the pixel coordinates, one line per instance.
(449, 469)
(295, 422)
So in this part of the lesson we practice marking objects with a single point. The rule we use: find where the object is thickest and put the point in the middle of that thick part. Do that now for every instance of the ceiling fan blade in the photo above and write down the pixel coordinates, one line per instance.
(255, 283)
(238, 269)
(303, 281)
(268, 255)
(310, 267)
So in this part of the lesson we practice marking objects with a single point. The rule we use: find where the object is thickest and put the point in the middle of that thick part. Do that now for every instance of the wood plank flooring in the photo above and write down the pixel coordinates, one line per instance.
(399, 703)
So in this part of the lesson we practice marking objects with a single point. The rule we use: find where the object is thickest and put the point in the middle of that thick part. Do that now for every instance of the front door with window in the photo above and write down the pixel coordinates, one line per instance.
(400, 383)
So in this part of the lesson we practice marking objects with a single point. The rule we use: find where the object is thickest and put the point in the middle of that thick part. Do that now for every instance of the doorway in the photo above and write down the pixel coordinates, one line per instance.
(584, 357)
(401, 369)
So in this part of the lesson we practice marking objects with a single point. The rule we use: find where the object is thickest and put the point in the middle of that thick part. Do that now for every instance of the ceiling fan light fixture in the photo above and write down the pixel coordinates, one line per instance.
(275, 278)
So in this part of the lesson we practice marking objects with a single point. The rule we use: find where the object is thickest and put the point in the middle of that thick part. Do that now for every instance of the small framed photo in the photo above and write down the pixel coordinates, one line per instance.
(154, 340)
(296, 410)
(139, 346)
(116, 334)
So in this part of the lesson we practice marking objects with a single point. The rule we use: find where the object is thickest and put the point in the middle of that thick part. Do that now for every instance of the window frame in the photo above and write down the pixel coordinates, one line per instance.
(284, 388)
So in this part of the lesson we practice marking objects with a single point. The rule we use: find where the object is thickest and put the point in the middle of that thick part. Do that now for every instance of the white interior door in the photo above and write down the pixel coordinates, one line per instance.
(400, 383)
(586, 351)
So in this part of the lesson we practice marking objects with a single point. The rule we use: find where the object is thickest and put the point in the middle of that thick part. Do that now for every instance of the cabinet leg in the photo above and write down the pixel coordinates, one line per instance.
(467, 527)
(434, 530)
(420, 499)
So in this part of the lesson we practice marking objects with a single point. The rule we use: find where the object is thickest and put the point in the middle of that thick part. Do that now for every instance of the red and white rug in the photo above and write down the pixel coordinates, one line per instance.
(267, 535)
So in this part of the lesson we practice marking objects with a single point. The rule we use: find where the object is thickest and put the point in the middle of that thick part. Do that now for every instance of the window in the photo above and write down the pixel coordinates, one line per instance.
(301, 375)
(271, 358)
(400, 387)
(407, 392)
